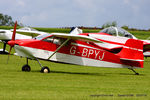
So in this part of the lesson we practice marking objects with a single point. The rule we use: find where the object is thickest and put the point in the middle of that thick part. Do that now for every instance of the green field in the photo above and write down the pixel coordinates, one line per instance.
(138, 34)
(71, 82)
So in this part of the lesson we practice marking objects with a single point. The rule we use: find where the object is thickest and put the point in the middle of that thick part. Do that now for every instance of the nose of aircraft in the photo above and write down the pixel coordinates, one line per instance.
(11, 43)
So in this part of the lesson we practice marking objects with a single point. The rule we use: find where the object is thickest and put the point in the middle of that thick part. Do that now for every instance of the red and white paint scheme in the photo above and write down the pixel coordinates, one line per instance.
(5, 36)
(29, 30)
(119, 32)
(88, 49)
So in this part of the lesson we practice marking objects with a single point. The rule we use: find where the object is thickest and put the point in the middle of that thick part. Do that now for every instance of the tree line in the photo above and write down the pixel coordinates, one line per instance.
(6, 20)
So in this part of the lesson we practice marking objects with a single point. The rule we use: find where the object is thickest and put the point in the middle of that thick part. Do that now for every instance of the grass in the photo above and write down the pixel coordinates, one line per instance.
(71, 82)
(138, 34)
(51, 30)
(141, 34)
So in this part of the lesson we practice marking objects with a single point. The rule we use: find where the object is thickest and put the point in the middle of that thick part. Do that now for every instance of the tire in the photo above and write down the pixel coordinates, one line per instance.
(26, 68)
(45, 70)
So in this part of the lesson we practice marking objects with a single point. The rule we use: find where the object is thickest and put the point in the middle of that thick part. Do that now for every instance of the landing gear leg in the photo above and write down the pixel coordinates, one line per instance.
(4, 48)
(44, 69)
(136, 73)
(26, 67)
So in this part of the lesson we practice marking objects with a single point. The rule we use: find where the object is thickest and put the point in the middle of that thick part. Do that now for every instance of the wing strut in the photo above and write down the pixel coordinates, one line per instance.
(59, 48)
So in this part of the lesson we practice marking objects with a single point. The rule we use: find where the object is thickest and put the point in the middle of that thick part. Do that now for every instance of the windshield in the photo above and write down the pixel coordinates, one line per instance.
(110, 30)
(116, 31)
(40, 37)
(27, 29)
(122, 32)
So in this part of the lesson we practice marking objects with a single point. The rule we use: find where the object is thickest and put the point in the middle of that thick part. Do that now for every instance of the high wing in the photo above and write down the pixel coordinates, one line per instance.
(76, 37)
(107, 42)
(29, 30)
(110, 39)
(5, 36)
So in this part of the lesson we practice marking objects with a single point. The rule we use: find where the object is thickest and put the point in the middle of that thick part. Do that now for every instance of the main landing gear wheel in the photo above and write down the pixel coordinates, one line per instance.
(26, 68)
(45, 70)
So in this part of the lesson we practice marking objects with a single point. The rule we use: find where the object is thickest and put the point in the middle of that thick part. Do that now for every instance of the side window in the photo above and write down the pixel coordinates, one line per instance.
(112, 32)
(59, 41)
(128, 36)
(121, 33)
(49, 39)
(55, 40)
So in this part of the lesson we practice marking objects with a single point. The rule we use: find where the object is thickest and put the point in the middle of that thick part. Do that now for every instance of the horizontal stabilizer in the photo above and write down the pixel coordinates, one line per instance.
(132, 52)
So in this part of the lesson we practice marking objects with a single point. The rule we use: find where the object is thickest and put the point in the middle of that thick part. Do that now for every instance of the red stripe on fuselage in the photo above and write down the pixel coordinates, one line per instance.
(76, 48)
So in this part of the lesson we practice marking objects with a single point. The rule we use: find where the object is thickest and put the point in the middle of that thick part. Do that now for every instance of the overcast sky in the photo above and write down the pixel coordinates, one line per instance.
(61, 13)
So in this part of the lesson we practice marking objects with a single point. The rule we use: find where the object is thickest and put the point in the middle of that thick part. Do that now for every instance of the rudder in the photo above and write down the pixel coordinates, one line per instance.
(132, 53)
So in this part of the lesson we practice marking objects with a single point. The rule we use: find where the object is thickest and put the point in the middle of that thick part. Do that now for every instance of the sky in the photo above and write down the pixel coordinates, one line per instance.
(69, 13)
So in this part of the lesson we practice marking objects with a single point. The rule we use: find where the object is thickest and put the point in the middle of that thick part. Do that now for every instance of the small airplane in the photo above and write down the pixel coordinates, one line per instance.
(120, 32)
(29, 30)
(85, 49)
(5, 36)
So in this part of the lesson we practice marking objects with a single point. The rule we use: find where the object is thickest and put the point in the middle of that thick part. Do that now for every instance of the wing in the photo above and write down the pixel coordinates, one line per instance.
(74, 37)
(115, 42)
(110, 39)
(114, 48)
(29, 30)
(77, 37)
(7, 34)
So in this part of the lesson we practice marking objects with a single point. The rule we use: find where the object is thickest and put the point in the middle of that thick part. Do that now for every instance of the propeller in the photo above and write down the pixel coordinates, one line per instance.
(12, 41)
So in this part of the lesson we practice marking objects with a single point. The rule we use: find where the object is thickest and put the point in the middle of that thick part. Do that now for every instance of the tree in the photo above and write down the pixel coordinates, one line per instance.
(6, 20)
(108, 24)
(125, 27)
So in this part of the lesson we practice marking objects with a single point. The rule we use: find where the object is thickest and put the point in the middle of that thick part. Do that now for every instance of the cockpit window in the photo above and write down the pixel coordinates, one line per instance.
(27, 29)
(116, 31)
(124, 33)
(55, 40)
(40, 37)
(121, 33)
(49, 39)
(104, 30)
(110, 31)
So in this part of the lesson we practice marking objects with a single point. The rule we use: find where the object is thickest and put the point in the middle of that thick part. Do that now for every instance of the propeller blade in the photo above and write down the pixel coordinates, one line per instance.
(12, 42)
(9, 54)
(14, 31)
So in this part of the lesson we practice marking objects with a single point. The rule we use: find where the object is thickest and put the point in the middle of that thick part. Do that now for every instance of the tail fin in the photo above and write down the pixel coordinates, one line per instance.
(75, 30)
(132, 53)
